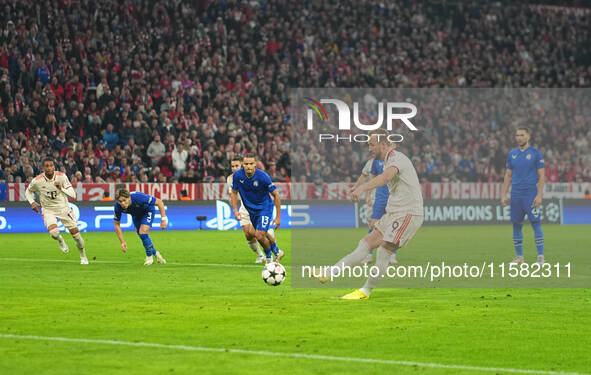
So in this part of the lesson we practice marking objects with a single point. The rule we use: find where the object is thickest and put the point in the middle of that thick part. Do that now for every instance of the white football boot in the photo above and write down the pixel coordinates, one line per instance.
(149, 261)
(160, 259)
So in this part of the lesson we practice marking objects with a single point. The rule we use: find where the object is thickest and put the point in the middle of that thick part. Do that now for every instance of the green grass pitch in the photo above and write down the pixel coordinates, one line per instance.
(199, 303)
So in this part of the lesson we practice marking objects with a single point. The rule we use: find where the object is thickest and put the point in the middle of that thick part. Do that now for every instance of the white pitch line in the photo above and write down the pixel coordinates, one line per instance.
(288, 355)
(122, 262)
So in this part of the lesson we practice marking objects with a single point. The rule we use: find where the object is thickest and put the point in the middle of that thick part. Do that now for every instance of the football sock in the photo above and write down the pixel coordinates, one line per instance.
(148, 244)
(254, 246)
(55, 234)
(355, 257)
(274, 248)
(518, 239)
(538, 237)
(79, 243)
(382, 261)
(268, 253)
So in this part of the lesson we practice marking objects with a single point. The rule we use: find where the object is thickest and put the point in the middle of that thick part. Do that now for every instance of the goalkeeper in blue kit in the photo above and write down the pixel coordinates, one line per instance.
(526, 175)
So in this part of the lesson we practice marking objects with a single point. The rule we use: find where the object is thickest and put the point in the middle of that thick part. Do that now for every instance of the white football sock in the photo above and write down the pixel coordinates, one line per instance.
(55, 234)
(79, 243)
(254, 246)
(382, 262)
(354, 257)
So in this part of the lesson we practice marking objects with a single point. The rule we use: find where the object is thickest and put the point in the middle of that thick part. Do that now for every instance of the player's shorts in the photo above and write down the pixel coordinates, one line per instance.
(147, 219)
(244, 216)
(262, 220)
(399, 229)
(523, 204)
(65, 215)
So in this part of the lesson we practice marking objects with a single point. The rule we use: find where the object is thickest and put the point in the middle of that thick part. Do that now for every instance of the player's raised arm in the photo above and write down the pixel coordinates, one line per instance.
(277, 200)
(31, 197)
(164, 221)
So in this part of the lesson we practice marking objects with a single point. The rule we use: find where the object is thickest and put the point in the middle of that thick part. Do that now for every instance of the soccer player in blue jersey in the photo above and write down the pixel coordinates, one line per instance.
(526, 175)
(255, 188)
(377, 200)
(141, 207)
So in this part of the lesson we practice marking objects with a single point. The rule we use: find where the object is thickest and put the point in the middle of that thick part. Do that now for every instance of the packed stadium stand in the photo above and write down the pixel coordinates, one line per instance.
(169, 91)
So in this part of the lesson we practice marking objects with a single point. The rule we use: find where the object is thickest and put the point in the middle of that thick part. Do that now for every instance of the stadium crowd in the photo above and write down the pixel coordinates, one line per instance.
(145, 91)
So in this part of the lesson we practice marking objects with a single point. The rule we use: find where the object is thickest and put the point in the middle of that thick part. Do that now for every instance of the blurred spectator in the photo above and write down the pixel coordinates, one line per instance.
(185, 195)
(111, 138)
(156, 149)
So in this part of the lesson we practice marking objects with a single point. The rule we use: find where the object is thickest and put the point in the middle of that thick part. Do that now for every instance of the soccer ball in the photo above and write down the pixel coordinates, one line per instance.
(273, 274)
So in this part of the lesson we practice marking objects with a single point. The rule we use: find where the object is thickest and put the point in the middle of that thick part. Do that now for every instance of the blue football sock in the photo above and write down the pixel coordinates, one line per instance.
(268, 253)
(274, 248)
(538, 237)
(518, 239)
(148, 244)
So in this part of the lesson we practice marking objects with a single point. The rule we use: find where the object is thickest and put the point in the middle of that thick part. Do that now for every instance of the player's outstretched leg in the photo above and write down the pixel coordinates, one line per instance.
(55, 234)
(356, 256)
(518, 243)
(539, 238)
(80, 245)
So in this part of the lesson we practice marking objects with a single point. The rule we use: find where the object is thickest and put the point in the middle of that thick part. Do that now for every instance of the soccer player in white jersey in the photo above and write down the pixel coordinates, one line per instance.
(376, 199)
(404, 211)
(249, 232)
(54, 188)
